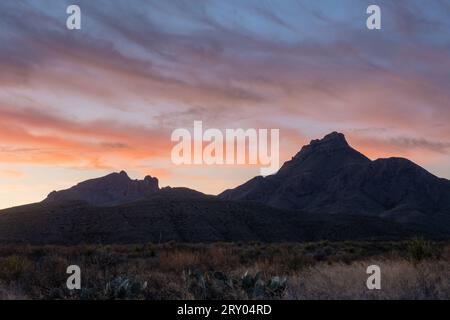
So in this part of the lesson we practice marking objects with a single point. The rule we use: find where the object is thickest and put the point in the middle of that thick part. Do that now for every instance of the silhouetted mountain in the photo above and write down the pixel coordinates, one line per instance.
(113, 189)
(329, 176)
(327, 191)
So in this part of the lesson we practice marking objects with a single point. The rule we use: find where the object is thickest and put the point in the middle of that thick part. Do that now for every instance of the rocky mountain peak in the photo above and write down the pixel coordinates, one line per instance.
(334, 138)
(112, 189)
(330, 142)
(332, 152)
(123, 174)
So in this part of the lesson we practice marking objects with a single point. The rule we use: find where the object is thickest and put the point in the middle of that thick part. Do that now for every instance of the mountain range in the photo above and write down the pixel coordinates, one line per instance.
(328, 190)
(329, 176)
(113, 189)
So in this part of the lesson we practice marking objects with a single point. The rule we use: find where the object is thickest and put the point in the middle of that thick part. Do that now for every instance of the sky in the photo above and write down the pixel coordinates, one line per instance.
(79, 104)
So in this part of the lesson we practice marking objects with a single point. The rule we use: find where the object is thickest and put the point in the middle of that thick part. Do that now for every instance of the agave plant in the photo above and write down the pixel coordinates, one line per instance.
(124, 288)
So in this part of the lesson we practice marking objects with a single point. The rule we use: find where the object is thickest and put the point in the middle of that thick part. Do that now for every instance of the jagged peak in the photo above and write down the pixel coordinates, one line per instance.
(114, 188)
(334, 138)
(331, 141)
(330, 151)
(151, 180)
(123, 173)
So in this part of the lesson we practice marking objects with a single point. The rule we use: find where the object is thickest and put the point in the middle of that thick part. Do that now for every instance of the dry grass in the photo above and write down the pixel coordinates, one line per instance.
(322, 270)
(400, 280)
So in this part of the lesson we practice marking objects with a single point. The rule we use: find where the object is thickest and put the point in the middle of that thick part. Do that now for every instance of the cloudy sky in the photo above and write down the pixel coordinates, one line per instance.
(80, 104)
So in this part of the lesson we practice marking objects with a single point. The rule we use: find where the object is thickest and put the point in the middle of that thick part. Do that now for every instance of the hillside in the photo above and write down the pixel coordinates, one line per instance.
(328, 191)
(329, 176)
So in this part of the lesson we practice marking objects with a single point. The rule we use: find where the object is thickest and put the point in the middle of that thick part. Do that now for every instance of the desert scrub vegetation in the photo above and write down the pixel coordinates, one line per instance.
(414, 269)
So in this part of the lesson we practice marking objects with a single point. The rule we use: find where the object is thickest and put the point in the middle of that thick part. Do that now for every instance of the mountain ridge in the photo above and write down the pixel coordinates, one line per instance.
(112, 189)
(327, 191)
(328, 175)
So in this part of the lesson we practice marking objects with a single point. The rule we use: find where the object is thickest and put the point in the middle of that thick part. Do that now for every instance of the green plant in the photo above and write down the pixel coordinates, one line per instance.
(418, 250)
(124, 288)
(13, 267)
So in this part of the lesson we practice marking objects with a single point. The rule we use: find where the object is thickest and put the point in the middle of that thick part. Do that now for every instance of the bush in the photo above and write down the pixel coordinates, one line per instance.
(418, 250)
(124, 288)
(13, 267)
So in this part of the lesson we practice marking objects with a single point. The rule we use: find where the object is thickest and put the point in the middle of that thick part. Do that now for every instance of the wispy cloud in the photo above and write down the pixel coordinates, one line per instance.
(110, 94)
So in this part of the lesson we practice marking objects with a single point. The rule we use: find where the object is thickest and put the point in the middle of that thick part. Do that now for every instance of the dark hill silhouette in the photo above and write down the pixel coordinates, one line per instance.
(327, 191)
(329, 176)
(113, 189)
(188, 220)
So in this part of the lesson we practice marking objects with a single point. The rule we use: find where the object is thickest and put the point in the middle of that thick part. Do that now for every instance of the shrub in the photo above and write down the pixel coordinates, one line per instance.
(124, 288)
(13, 267)
(418, 250)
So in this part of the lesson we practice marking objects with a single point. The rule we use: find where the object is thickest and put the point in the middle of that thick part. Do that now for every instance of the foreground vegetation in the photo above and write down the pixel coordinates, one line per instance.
(413, 269)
